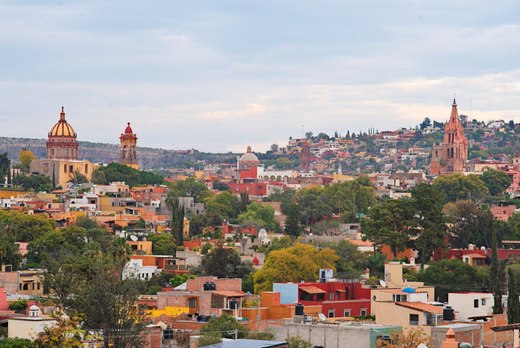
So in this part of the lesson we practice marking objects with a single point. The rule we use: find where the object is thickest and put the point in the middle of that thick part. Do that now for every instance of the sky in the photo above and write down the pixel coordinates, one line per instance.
(220, 75)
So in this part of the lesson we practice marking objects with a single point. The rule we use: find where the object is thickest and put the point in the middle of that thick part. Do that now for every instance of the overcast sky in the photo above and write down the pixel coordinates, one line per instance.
(220, 75)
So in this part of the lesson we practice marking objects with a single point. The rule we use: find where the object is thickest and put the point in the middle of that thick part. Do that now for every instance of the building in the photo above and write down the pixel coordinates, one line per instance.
(28, 326)
(62, 164)
(452, 155)
(62, 142)
(128, 146)
(248, 165)
(337, 299)
(471, 304)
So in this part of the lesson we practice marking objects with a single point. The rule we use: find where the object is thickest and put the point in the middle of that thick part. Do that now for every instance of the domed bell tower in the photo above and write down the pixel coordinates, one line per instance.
(62, 143)
(128, 145)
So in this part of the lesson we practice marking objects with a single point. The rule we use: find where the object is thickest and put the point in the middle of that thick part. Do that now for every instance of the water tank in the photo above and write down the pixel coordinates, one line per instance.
(298, 309)
(233, 304)
(448, 313)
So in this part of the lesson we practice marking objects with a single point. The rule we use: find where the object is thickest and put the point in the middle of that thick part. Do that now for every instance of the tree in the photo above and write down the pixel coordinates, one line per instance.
(38, 183)
(292, 223)
(225, 263)
(260, 216)
(401, 339)
(163, 244)
(274, 148)
(451, 275)
(468, 224)
(426, 123)
(390, 223)
(351, 197)
(314, 205)
(298, 342)
(227, 326)
(513, 303)
(16, 343)
(428, 220)
(190, 188)
(66, 333)
(497, 276)
(222, 206)
(496, 181)
(120, 172)
(459, 186)
(77, 178)
(24, 159)
(351, 262)
(293, 264)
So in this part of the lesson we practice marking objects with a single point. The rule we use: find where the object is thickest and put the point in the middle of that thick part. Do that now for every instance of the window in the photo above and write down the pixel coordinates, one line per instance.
(192, 302)
(331, 313)
(346, 313)
(64, 168)
(483, 301)
(414, 319)
(363, 312)
(331, 296)
(475, 303)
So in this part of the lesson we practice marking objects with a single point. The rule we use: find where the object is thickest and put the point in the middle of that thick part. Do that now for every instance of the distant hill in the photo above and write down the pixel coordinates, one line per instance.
(148, 158)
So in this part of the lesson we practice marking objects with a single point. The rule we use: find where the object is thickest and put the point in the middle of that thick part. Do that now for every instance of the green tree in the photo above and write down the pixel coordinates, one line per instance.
(497, 276)
(496, 181)
(451, 275)
(428, 220)
(468, 224)
(16, 343)
(513, 304)
(260, 216)
(163, 244)
(292, 223)
(298, 342)
(222, 206)
(225, 263)
(459, 187)
(225, 325)
(38, 183)
(77, 178)
(293, 264)
(190, 188)
(390, 223)
(350, 198)
(314, 205)
(351, 262)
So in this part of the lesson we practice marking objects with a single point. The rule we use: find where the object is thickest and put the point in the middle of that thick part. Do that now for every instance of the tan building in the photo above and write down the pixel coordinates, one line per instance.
(22, 282)
(28, 326)
(62, 164)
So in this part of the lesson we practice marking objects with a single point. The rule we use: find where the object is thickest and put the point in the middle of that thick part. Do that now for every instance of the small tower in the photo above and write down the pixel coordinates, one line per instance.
(128, 145)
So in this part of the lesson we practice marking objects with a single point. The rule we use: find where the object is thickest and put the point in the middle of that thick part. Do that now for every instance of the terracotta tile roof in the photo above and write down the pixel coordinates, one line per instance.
(229, 293)
(420, 306)
(312, 290)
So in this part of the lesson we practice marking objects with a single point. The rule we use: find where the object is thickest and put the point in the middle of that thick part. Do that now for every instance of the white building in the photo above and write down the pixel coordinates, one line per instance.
(471, 304)
(135, 269)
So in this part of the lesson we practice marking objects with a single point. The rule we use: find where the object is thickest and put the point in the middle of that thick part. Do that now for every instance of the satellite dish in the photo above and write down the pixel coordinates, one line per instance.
(382, 283)
(322, 317)
(134, 238)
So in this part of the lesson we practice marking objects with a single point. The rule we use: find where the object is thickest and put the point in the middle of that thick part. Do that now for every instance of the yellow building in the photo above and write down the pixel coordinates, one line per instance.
(62, 164)
(128, 141)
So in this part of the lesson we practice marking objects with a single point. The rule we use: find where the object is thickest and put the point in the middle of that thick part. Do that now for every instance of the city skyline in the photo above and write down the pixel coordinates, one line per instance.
(221, 76)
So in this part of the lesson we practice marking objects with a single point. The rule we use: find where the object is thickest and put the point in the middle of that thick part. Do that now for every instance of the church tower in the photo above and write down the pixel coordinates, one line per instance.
(128, 144)
(452, 155)
(62, 143)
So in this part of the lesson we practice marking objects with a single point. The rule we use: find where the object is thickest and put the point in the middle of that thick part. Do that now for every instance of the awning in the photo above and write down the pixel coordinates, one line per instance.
(341, 290)
(312, 290)
(229, 293)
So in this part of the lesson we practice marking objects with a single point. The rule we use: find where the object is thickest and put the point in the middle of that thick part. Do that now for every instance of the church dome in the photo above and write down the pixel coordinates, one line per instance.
(62, 128)
(249, 156)
(128, 129)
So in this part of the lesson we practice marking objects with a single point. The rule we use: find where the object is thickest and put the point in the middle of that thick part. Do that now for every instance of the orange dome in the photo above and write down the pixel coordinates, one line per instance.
(128, 129)
(62, 128)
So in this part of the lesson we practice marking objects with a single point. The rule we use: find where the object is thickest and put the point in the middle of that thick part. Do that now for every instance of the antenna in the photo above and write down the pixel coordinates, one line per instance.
(134, 238)
(322, 317)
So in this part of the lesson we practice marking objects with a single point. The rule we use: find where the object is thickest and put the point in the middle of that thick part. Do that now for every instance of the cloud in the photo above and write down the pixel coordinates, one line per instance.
(221, 76)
